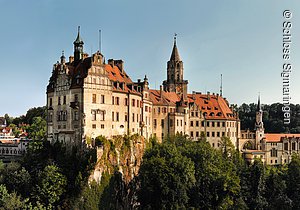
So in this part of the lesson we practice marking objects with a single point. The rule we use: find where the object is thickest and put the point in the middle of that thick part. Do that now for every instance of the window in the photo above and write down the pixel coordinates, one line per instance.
(286, 146)
(112, 100)
(213, 134)
(102, 126)
(126, 117)
(146, 108)
(102, 99)
(171, 123)
(155, 123)
(218, 124)
(50, 117)
(94, 126)
(133, 117)
(76, 116)
(218, 134)
(192, 134)
(212, 124)
(223, 133)
(94, 117)
(117, 101)
(94, 98)
(137, 103)
(163, 123)
(196, 114)
(192, 123)
(293, 146)
(202, 123)
(76, 97)
(58, 100)
(223, 124)
(207, 134)
(273, 152)
(117, 116)
(207, 124)
(181, 123)
(65, 100)
(102, 115)
(192, 114)
(133, 102)
(177, 122)
(197, 133)
(197, 123)
(113, 116)
(50, 102)
(126, 102)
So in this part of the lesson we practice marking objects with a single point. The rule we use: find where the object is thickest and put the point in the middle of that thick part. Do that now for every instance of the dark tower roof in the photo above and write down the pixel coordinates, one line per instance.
(175, 54)
(78, 39)
(258, 104)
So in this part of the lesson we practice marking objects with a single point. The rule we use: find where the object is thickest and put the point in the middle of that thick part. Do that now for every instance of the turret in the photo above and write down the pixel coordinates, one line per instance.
(78, 47)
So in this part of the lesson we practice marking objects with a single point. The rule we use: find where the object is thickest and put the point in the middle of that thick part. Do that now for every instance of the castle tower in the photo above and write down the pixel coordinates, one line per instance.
(259, 125)
(78, 47)
(175, 82)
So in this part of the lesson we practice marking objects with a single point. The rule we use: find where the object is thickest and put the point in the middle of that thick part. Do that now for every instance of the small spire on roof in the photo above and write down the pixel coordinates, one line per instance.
(62, 57)
(258, 103)
(78, 39)
(175, 54)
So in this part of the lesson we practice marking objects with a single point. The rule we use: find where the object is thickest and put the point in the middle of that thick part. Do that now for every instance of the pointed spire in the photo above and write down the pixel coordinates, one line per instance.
(62, 57)
(78, 39)
(258, 103)
(175, 54)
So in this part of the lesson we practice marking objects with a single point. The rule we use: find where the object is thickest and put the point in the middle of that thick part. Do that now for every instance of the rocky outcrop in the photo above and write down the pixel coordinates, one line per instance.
(122, 153)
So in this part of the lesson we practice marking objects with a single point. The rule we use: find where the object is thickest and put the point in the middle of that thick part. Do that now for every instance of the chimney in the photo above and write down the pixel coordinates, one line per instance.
(111, 62)
(120, 65)
(208, 95)
(85, 55)
(194, 95)
(71, 59)
(160, 87)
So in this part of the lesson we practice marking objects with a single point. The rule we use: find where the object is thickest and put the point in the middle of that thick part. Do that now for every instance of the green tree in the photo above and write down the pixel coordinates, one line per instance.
(255, 186)
(10, 201)
(166, 177)
(51, 185)
(37, 131)
(217, 183)
(293, 181)
(276, 190)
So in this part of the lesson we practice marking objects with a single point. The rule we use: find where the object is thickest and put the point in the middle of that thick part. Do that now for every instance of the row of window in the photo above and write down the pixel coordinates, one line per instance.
(62, 100)
(208, 134)
(162, 123)
(135, 117)
(7, 151)
(94, 126)
(159, 110)
(292, 147)
(208, 124)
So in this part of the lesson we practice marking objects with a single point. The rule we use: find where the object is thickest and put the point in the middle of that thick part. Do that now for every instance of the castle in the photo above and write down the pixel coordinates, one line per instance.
(271, 148)
(87, 97)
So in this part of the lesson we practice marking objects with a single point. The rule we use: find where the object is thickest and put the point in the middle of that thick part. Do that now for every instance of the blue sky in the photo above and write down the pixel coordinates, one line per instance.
(240, 39)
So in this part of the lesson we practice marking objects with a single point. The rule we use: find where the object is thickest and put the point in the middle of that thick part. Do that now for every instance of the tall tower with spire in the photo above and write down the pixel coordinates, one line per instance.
(78, 47)
(175, 81)
(259, 125)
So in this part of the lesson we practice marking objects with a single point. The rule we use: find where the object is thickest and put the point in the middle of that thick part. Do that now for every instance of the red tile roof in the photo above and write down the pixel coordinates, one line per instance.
(276, 137)
(164, 98)
(215, 107)
(115, 74)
